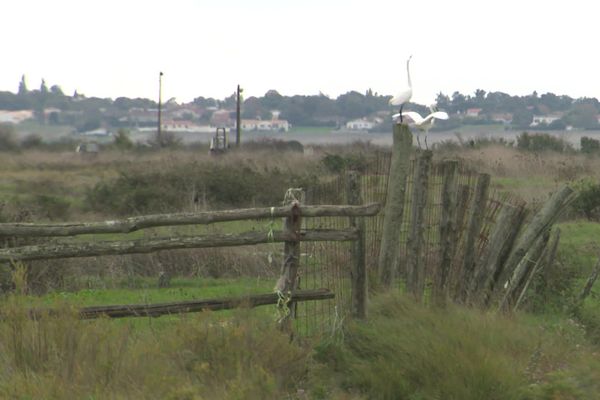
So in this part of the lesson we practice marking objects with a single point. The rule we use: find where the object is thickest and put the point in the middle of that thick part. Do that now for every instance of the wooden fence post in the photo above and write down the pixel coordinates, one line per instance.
(358, 264)
(287, 283)
(532, 262)
(490, 264)
(476, 216)
(394, 206)
(541, 222)
(589, 284)
(462, 203)
(448, 232)
(415, 276)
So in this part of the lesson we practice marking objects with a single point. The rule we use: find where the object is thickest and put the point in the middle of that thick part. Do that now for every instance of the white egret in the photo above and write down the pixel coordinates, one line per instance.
(403, 96)
(423, 124)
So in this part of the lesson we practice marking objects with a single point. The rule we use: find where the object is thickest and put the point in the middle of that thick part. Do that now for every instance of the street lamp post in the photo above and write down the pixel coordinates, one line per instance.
(238, 119)
(159, 130)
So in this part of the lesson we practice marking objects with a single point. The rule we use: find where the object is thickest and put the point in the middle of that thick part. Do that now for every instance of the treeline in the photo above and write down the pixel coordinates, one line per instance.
(86, 113)
(578, 113)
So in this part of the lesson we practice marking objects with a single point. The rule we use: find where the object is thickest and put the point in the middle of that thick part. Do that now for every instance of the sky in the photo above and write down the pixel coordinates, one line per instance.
(114, 48)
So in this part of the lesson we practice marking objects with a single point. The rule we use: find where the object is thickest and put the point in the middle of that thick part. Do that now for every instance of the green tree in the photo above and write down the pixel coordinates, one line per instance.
(23, 86)
(122, 140)
(522, 118)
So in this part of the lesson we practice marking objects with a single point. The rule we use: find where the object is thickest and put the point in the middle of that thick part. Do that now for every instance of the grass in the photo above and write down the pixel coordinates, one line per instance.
(147, 292)
(404, 351)
(579, 244)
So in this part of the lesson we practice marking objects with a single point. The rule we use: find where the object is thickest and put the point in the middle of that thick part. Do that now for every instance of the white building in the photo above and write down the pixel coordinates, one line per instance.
(361, 124)
(545, 119)
(15, 117)
(273, 125)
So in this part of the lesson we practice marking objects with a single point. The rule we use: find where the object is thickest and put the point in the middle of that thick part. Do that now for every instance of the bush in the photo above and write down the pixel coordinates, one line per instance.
(542, 142)
(7, 138)
(589, 145)
(587, 202)
(337, 163)
(176, 187)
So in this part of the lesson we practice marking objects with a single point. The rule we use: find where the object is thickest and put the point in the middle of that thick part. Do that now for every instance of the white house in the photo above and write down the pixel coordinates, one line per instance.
(273, 125)
(361, 124)
(545, 119)
(473, 112)
(505, 118)
(15, 117)
(185, 126)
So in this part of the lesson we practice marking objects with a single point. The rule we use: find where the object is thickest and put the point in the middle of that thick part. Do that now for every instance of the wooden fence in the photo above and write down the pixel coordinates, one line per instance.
(486, 248)
(292, 234)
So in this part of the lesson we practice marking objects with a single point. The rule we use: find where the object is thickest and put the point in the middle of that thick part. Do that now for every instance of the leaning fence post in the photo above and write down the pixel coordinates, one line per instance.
(541, 222)
(358, 266)
(534, 258)
(415, 276)
(476, 216)
(287, 283)
(394, 205)
(508, 223)
(448, 232)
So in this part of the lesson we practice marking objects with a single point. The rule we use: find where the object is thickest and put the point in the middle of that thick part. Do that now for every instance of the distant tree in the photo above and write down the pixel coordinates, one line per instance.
(443, 102)
(583, 115)
(522, 118)
(480, 95)
(43, 87)
(56, 90)
(122, 140)
(22, 86)
(459, 102)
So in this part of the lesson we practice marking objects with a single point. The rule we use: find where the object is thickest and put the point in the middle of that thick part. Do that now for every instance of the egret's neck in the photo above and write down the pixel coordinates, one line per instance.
(408, 73)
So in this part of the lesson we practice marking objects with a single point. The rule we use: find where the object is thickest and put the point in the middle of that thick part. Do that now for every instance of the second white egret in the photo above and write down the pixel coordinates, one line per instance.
(423, 124)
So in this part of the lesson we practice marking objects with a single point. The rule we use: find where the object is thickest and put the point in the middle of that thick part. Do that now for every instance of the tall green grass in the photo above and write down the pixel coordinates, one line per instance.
(406, 351)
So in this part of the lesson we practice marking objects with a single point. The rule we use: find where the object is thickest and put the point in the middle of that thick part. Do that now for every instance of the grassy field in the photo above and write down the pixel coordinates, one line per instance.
(404, 351)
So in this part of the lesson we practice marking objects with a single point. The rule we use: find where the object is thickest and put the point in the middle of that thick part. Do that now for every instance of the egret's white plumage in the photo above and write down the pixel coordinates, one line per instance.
(423, 124)
(403, 96)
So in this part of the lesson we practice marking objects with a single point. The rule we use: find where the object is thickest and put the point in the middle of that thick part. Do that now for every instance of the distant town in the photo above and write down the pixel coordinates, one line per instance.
(366, 112)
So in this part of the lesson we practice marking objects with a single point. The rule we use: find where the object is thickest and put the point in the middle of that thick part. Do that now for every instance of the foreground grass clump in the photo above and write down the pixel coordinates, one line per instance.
(192, 358)
(406, 351)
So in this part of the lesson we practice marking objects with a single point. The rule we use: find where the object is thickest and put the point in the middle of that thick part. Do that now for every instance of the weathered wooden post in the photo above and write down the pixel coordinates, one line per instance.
(394, 206)
(490, 264)
(287, 283)
(532, 262)
(415, 268)
(589, 284)
(448, 232)
(541, 222)
(359, 264)
(476, 216)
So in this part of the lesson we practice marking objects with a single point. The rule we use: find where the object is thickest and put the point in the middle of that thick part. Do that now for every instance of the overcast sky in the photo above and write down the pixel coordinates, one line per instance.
(113, 48)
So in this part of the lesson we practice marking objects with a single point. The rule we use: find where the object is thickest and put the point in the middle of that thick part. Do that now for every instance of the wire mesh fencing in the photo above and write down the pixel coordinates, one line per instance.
(327, 264)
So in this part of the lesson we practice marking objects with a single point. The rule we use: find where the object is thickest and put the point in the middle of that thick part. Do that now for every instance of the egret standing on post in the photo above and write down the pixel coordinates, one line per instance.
(403, 96)
(423, 124)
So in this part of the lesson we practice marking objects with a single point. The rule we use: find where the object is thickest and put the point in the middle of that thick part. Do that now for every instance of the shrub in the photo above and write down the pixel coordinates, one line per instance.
(337, 163)
(173, 188)
(587, 202)
(7, 138)
(542, 142)
(589, 145)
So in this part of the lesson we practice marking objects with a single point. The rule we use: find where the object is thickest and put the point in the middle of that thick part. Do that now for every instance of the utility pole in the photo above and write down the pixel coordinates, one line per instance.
(238, 119)
(159, 130)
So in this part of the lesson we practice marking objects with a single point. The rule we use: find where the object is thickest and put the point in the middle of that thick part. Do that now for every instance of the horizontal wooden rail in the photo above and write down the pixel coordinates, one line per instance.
(156, 310)
(102, 248)
(208, 217)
